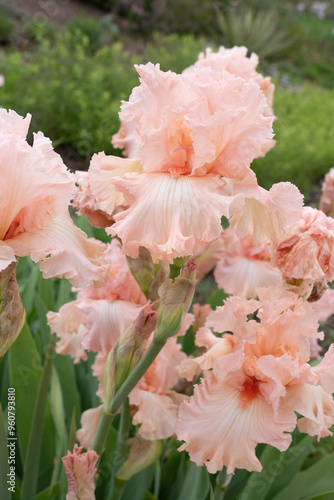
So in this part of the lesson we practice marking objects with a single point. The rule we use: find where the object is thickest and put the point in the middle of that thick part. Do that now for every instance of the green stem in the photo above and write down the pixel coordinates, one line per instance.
(139, 370)
(102, 431)
(123, 392)
(31, 465)
(118, 489)
(122, 447)
(157, 478)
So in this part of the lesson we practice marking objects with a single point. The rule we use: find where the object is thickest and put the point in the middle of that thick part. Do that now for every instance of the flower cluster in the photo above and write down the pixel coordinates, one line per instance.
(189, 141)
(256, 377)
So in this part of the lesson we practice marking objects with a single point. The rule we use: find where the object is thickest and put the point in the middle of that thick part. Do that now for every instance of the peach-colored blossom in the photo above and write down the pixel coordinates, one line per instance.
(155, 403)
(102, 170)
(208, 256)
(35, 192)
(106, 320)
(250, 393)
(2, 80)
(225, 420)
(80, 471)
(236, 62)
(306, 249)
(89, 423)
(86, 204)
(98, 368)
(242, 267)
(324, 307)
(170, 216)
(125, 138)
(260, 213)
(70, 326)
(98, 316)
(326, 203)
(190, 132)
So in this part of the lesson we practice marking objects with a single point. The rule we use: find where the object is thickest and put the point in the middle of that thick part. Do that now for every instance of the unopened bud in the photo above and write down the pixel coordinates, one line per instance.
(142, 454)
(127, 351)
(148, 275)
(142, 269)
(12, 313)
(175, 300)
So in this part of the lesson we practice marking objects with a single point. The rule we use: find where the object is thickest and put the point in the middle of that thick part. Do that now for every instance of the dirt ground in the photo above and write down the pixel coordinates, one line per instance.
(59, 12)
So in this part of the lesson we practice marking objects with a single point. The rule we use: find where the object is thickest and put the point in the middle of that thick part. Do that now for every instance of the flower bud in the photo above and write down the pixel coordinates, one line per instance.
(142, 269)
(80, 471)
(142, 454)
(127, 351)
(12, 313)
(148, 275)
(175, 300)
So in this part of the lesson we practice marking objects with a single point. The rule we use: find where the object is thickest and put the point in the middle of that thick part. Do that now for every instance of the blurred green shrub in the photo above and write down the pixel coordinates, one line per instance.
(6, 26)
(166, 16)
(38, 28)
(305, 138)
(174, 52)
(259, 30)
(90, 27)
(73, 95)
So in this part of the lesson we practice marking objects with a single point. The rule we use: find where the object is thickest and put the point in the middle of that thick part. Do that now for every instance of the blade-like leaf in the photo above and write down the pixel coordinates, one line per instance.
(196, 484)
(4, 493)
(33, 451)
(300, 486)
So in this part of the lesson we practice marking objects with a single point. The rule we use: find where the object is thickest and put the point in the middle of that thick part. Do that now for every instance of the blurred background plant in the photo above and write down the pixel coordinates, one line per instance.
(75, 65)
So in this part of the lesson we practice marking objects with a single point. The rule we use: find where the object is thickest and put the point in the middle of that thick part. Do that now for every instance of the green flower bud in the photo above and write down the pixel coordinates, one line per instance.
(175, 300)
(127, 352)
(142, 454)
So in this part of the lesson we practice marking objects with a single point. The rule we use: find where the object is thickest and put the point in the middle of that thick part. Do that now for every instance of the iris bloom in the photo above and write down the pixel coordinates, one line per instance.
(255, 379)
(35, 192)
(189, 132)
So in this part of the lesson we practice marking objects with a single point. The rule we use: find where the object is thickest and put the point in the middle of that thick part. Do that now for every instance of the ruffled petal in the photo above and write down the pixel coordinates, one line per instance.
(316, 406)
(7, 255)
(170, 216)
(155, 412)
(64, 251)
(106, 320)
(102, 171)
(89, 423)
(69, 325)
(222, 423)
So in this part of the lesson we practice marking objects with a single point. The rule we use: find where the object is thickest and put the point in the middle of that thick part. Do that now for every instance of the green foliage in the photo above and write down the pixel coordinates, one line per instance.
(6, 26)
(260, 31)
(38, 29)
(89, 27)
(174, 52)
(73, 95)
(305, 138)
